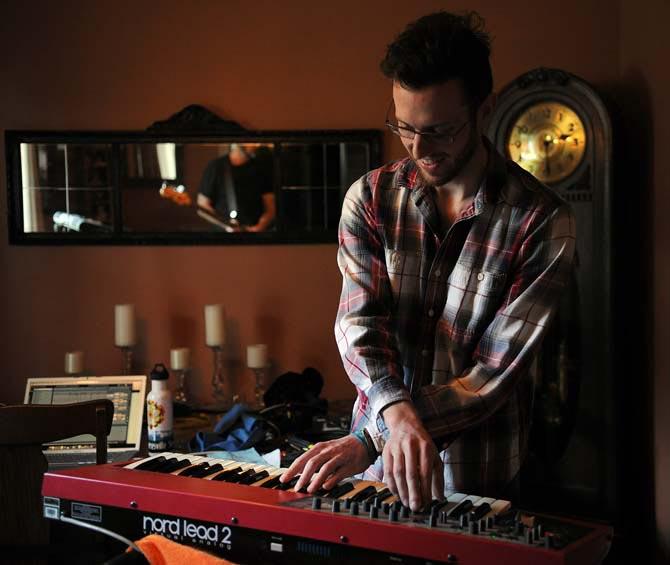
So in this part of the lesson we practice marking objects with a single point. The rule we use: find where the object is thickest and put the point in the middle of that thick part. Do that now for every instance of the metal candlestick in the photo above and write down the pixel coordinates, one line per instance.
(259, 388)
(127, 352)
(180, 394)
(221, 396)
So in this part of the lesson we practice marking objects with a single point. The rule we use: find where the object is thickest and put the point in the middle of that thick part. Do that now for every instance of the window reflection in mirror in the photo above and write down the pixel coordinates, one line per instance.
(315, 177)
(66, 187)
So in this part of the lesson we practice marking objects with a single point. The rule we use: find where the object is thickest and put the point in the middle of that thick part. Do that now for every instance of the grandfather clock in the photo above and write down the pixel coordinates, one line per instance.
(554, 125)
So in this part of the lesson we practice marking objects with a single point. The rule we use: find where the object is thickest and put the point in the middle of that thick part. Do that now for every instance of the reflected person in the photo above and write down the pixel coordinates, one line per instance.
(237, 187)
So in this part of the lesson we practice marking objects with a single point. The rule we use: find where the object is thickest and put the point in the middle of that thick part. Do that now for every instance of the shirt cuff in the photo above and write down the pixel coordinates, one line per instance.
(383, 393)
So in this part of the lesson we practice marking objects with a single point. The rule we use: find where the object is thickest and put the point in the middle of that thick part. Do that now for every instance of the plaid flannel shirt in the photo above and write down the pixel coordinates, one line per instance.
(451, 321)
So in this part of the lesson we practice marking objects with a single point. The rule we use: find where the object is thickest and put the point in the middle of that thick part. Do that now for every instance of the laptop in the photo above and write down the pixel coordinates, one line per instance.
(126, 392)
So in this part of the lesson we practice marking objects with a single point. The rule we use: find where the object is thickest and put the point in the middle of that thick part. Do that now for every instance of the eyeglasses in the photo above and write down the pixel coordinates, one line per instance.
(442, 133)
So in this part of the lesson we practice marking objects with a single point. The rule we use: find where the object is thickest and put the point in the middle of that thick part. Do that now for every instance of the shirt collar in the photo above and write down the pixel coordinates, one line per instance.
(489, 191)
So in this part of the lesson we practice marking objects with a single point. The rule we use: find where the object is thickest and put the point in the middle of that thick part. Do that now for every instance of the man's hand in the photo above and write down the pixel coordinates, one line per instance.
(412, 466)
(327, 463)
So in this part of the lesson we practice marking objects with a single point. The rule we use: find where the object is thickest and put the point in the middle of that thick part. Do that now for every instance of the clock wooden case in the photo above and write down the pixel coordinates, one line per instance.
(556, 126)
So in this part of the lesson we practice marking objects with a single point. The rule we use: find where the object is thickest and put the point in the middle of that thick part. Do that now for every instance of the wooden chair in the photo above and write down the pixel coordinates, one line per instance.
(23, 431)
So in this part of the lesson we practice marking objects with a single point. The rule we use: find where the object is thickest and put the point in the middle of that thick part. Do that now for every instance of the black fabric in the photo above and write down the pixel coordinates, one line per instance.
(250, 181)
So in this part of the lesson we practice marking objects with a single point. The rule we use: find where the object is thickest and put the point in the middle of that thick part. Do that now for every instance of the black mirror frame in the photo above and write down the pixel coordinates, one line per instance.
(192, 124)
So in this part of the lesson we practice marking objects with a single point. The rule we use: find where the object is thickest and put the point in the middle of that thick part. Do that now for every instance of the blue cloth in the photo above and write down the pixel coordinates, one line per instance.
(236, 430)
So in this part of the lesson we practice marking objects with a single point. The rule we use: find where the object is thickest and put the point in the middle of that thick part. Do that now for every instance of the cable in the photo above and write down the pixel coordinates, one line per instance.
(104, 531)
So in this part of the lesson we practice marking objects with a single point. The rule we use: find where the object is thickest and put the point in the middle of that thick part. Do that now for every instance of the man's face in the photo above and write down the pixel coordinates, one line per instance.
(441, 108)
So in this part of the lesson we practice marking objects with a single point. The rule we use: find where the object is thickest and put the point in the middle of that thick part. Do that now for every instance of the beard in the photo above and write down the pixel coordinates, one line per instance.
(451, 166)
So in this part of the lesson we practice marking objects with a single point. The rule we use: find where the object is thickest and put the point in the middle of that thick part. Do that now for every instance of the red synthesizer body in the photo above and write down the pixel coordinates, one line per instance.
(248, 524)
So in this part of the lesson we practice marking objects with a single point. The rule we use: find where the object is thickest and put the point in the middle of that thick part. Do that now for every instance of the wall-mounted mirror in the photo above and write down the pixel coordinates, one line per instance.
(183, 183)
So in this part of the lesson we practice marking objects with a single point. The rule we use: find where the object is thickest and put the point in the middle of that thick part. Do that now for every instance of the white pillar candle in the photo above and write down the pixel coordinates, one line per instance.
(180, 358)
(215, 334)
(74, 362)
(124, 325)
(257, 356)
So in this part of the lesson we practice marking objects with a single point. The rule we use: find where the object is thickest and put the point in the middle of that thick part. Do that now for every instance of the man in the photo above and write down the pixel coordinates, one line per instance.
(453, 261)
(238, 187)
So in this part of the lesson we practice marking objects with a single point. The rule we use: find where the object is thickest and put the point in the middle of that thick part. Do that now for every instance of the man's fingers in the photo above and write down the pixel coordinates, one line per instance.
(413, 478)
(438, 479)
(295, 468)
(426, 470)
(311, 467)
(319, 478)
(399, 470)
(389, 479)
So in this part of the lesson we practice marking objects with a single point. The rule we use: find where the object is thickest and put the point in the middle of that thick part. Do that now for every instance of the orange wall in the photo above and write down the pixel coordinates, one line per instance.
(271, 65)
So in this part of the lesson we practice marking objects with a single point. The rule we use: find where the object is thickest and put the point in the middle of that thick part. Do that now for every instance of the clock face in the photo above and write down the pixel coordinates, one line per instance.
(548, 140)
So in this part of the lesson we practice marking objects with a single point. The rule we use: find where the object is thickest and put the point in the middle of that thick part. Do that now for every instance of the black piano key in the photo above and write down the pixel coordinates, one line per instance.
(233, 478)
(223, 475)
(173, 464)
(460, 509)
(339, 490)
(364, 494)
(271, 483)
(287, 486)
(381, 496)
(241, 476)
(207, 471)
(159, 466)
(150, 463)
(254, 478)
(480, 511)
(193, 469)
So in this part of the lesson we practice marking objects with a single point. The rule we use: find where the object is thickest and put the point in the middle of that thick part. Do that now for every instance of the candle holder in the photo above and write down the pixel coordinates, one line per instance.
(259, 388)
(219, 385)
(181, 395)
(127, 353)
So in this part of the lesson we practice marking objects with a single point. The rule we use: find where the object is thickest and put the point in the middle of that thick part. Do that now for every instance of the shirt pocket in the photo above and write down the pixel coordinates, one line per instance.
(404, 272)
(477, 281)
(473, 298)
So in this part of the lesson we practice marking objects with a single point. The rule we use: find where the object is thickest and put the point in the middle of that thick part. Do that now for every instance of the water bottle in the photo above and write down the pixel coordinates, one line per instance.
(159, 411)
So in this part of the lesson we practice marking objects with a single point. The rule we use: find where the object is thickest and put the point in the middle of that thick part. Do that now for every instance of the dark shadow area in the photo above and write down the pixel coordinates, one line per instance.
(633, 318)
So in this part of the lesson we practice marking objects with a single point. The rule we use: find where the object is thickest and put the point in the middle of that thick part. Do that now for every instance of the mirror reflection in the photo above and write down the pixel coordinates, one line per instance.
(168, 187)
(66, 187)
(135, 188)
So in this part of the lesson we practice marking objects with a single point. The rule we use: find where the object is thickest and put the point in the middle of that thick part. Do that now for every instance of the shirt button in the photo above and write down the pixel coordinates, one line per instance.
(431, 312)
(438, 273)
(480, 277)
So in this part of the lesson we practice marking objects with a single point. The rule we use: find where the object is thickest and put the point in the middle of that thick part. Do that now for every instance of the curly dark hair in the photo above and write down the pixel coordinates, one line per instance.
(440, 47)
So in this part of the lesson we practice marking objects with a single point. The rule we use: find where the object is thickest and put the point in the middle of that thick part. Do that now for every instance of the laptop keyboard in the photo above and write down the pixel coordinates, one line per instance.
(74, 459)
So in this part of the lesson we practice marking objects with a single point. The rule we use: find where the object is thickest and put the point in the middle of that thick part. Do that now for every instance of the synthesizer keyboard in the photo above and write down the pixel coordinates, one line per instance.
(241, 512)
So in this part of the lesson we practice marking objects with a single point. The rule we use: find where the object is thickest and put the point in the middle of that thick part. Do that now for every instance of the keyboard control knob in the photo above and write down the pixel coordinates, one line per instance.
(336, 505)
(353, 510)
(374, 512)
(316, 504)
(393, 515)
(529, 536)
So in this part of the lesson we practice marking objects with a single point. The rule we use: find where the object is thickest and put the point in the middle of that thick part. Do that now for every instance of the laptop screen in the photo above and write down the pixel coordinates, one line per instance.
(127, 394)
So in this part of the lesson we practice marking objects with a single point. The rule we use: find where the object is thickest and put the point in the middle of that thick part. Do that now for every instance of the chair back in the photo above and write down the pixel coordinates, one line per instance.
(24, 429)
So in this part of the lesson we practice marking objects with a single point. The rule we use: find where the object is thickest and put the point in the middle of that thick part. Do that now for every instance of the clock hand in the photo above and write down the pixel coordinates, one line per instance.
(547, 166)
